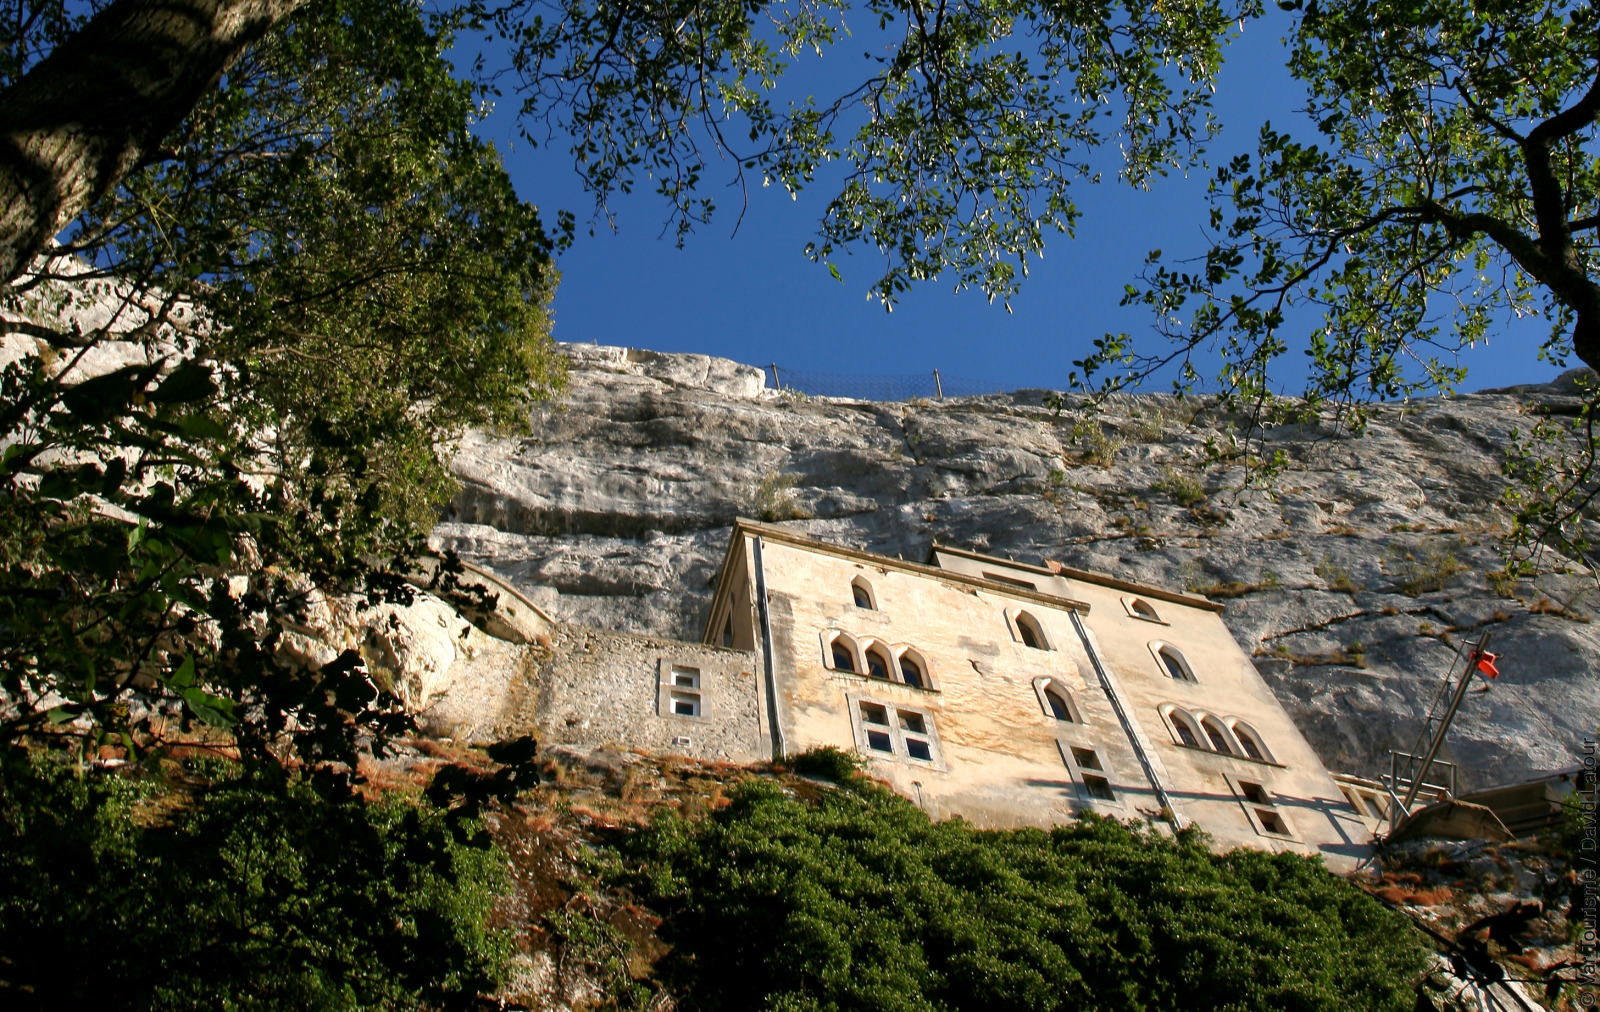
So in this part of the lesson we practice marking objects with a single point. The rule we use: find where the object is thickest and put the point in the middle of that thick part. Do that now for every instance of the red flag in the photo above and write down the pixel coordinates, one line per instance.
(1485, 663)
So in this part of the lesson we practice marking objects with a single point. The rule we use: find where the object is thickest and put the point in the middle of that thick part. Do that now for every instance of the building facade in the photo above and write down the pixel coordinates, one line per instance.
(1011, 694)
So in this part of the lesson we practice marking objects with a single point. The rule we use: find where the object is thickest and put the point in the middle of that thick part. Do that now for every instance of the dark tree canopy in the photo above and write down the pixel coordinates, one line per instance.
(950, 148)
(317, 278)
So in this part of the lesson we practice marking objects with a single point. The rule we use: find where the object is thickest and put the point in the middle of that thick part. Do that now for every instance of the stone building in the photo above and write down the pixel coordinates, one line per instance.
(1012, 694)
(1004, 693)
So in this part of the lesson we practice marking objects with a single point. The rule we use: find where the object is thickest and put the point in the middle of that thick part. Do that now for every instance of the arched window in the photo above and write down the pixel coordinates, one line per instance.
(1055, 699)
(1030, 632)
(1219, 737)
(1173, 663)
(1060, 707)
(911, 671)
(878, 665)
(1140, 608)
(1250, 742)
(842, 653)
(1183, 727)
(861, 590)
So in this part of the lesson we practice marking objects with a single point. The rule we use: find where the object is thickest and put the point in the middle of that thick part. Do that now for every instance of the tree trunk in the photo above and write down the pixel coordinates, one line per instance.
(94, 110)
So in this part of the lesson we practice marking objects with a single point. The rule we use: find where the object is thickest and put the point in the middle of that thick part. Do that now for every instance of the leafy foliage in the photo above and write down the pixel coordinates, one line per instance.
(956, 146)
(323, 277)
(1458, 164)
(1452, 187)
(1554, 484)
(855, 900)
(257, 894)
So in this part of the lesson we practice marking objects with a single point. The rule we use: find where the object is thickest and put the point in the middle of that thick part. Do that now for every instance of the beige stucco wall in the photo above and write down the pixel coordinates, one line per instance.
(1205, 786)
(999, 757)
(999, 752)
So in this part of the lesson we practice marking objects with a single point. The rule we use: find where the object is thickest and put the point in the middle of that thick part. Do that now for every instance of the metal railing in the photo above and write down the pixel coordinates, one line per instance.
(888, 387)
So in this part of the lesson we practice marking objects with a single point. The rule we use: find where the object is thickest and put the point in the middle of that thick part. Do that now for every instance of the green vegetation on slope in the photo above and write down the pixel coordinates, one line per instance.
(257, 893)
(852, 899)
(118, 893)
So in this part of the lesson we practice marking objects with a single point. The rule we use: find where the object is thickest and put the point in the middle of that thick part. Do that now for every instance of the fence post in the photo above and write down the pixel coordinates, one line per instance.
(775, 384)
(938, 388)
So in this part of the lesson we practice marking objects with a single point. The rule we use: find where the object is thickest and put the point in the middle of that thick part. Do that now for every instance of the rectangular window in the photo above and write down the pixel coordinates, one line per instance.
(1088, 770)
(1261, 808)
(1271, 822)
(1098, 787)
(895, 731)
(686, 704)
(681, 694)
(1086, 759)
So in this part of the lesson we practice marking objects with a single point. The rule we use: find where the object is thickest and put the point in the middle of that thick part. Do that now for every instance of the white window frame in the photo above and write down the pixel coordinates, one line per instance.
(885, 654)
(1172, 714)
(1230, 747)
(1234, 724)
(1015, 620)
(899, 652)
(1129, 604)
(683, 683)
(861, 583)
(1157, 647)
(898, 733)
(830, 637)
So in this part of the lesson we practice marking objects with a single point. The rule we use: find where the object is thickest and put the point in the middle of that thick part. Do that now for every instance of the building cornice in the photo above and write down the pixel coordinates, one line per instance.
(1087, 576)
(743, 528)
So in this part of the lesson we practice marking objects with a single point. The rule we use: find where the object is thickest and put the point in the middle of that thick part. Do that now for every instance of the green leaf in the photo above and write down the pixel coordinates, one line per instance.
(202, 427)
(211, 709)
(183, 677)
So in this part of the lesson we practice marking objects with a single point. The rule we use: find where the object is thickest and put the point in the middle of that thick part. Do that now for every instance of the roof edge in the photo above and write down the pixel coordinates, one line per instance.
(1089, 576)
(743, 527)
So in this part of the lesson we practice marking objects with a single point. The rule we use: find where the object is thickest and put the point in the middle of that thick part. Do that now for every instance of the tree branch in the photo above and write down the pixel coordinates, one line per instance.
(89, 114)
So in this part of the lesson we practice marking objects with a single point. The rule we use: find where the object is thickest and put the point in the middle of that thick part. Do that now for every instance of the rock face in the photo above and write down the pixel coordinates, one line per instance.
(1353, 579)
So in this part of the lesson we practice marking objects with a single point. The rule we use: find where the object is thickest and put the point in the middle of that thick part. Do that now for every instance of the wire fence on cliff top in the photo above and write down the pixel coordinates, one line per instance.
(893, 387)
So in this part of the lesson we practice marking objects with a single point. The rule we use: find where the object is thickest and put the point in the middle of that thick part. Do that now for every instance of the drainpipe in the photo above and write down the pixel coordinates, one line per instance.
(1127, 726)
(778, 747)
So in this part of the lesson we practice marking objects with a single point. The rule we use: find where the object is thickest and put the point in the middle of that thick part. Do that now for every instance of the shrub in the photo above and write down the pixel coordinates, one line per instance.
(251, 894)
(829, 763)
(854, 900)
(772, 499)
(1337, 576)
(1428, 569)
(1095, 445)
(1184, 489)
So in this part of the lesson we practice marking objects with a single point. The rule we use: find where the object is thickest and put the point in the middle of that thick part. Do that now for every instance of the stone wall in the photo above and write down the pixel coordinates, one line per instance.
(591, 687)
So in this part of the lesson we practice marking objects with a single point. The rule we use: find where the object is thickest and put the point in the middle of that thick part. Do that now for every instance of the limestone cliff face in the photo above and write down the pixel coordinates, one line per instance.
(1353, 579)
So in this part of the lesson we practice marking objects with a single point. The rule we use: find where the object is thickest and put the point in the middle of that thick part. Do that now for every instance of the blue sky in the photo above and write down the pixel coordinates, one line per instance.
(753, 296)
